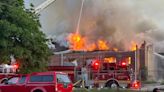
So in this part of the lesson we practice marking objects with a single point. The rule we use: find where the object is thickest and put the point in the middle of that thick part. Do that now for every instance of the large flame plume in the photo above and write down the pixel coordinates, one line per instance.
(79, 43)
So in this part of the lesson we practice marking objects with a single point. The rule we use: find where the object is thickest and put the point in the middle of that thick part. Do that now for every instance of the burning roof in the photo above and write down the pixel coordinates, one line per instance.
(78, 42)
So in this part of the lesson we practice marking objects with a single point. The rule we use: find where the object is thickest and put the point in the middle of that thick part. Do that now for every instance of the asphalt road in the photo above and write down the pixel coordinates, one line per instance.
(150, 87)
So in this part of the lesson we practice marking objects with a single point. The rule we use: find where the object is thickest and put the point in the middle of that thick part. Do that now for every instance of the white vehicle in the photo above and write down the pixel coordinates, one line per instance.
(5, 68)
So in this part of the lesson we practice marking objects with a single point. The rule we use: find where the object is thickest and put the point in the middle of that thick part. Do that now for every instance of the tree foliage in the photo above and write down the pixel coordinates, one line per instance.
(20, 36)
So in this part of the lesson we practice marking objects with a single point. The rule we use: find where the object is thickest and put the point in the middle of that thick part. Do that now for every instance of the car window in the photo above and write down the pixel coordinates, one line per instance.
(41, 78)
(35, 78)
(63, 78)
(13, 80)
(47, 78)
(22, 79)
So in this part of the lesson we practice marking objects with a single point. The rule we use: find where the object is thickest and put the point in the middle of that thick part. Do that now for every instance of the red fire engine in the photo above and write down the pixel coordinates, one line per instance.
(106, 72)
(7, 71)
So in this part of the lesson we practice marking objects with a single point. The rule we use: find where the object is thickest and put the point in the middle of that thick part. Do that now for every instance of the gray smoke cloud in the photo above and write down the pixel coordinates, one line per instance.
(117, 21)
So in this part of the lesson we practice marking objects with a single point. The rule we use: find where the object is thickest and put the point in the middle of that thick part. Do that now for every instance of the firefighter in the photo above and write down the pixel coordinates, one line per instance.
(84, 75)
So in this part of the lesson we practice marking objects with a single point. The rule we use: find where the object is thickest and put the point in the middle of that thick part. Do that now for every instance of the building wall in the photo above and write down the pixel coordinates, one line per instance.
(150, 63)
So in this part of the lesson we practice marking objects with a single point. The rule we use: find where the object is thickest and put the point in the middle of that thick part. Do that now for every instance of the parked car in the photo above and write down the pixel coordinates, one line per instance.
(38, 82)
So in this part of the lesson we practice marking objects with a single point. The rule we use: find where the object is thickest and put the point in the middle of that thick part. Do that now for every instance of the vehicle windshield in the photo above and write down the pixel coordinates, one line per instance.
(63, 78)
(13, 80)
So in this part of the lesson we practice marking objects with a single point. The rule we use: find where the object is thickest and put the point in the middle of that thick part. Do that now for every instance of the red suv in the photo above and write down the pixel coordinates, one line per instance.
(38, 82)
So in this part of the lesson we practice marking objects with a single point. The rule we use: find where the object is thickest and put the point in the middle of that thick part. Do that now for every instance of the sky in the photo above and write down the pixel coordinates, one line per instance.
(150, 8)
(63, 15)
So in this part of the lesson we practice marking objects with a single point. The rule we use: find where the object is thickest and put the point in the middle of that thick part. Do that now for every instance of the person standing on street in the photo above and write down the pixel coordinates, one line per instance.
(84, 75)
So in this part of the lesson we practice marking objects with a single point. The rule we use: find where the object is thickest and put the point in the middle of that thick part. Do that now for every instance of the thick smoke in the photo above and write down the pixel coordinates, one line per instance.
(110, 20)
(118, 22)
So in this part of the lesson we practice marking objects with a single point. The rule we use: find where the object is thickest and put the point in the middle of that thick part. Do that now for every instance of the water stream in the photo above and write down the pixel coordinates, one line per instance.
(159, 66)
(79, 19)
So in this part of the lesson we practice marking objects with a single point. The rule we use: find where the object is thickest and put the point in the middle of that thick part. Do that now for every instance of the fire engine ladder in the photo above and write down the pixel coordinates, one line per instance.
(42, 6)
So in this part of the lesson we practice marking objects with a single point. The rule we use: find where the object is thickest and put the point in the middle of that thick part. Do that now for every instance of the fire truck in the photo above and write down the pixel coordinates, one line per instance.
(105, 72)
(7, 71)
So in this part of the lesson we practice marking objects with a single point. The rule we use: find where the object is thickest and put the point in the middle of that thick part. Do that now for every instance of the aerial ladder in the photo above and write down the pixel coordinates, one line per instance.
(42, 6)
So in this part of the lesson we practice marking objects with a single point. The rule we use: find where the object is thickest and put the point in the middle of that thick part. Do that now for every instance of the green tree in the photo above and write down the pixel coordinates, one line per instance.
(20, 36)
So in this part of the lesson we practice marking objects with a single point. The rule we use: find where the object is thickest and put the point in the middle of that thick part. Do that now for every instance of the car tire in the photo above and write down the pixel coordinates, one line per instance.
(38, 91)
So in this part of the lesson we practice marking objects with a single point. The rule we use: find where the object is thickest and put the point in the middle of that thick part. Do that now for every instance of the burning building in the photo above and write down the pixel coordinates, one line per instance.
(107, 29)
(80, 52)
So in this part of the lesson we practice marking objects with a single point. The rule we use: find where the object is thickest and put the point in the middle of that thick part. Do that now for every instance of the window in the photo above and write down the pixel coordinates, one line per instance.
(36, 78)
(22, 79)
(47, 78)
(41, 78)
(63, 78)
(13, 80)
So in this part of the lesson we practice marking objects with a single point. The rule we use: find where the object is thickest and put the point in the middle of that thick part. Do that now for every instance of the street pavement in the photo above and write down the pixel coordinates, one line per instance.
(150, 87)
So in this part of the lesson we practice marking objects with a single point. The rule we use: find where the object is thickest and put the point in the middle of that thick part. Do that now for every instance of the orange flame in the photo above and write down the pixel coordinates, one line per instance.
(133, 46)
(115, 49)
(102, 45)
(79, 43)
(76, 41)
(110, 60)
(91, 47)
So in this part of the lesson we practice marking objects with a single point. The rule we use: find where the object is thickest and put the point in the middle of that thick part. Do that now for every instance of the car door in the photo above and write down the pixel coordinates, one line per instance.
(10, 85)
(21, 84)
(44, 82)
